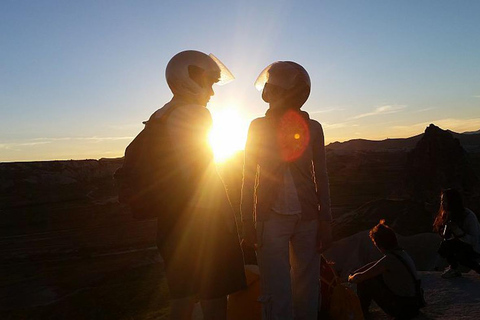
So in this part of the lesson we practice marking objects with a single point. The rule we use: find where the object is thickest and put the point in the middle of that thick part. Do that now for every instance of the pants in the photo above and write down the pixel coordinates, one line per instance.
(289, 267)
(375, 289)
(457, 252)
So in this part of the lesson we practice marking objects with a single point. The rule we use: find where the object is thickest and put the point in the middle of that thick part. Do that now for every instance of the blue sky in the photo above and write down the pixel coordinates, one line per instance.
(78, 77)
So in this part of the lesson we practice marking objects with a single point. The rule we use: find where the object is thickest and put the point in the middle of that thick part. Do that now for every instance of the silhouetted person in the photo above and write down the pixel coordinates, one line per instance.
(285, 195)
(460, 230)
(390, 281)
(200, 244)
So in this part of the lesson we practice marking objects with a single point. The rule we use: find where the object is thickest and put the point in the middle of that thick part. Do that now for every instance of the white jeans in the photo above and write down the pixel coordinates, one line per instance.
(289, 267)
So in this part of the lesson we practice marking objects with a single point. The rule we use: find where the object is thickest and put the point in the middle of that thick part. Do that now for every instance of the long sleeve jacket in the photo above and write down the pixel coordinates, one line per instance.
(265, 167)
(471, 227)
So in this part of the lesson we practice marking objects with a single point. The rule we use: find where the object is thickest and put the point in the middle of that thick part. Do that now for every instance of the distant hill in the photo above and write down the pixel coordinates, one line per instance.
(402, 144)
(472, 132)
(469, 140)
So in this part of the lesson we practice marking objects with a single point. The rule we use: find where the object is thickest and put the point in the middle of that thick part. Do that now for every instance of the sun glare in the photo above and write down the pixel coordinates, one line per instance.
(228, 134)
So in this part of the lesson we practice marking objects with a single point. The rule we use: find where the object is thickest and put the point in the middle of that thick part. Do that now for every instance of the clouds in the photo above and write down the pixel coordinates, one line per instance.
(382, 110)
(339, 125)
(86, 139)
(62, 148)
(329, 110)
(423, 110)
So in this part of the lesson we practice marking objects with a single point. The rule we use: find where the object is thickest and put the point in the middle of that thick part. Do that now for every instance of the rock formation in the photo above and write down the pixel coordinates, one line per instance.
(439, 161)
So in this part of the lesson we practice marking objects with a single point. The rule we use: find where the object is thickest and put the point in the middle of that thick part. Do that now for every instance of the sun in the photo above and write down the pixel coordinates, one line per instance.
(228, 134)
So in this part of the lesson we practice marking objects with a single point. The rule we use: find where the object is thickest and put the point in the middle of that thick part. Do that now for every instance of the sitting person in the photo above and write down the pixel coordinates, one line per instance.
(461, 232)
(390, 281)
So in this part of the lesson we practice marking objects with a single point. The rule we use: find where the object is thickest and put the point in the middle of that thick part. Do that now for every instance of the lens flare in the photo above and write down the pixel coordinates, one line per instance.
(228, 134)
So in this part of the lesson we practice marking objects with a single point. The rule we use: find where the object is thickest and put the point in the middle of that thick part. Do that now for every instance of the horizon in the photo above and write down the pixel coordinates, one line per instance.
(78, 79)
(241, 150)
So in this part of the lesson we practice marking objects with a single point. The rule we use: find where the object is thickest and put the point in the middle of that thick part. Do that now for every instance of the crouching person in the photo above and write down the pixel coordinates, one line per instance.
(460, 230)
(391, 281)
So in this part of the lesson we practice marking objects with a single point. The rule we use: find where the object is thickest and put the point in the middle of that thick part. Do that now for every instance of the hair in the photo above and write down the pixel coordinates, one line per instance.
(383, 236)
(451, 209)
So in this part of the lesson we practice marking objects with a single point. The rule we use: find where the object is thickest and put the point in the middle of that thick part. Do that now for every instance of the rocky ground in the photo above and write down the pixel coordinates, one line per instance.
(131, 284)
(457, 299)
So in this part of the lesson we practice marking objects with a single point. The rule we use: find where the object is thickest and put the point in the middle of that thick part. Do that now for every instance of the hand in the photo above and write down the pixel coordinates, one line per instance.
(352, 278)
(455, 229)
(324, 236)
(249, 234)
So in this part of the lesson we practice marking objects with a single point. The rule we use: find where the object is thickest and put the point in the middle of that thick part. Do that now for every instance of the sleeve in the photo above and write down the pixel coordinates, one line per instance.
(249, 174)
(189, 127)
(320, 169)
(472, 232)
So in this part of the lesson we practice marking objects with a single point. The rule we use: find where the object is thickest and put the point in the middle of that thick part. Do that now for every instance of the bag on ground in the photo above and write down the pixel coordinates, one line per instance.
(244, 304)
(345, 304)
(328, 281)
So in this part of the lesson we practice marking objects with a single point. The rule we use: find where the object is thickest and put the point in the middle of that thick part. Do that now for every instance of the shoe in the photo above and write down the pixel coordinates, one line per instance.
(450, 273)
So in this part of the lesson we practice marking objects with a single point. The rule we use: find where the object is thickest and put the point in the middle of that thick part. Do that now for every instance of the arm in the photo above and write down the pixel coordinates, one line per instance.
(365, 267)
(321, 175)
(322, 187)
(374, 270)
(189, 127)
(248, 185)
(470, 230)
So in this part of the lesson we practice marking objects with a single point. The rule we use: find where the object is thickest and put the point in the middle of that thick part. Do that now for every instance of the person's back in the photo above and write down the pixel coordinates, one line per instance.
(471, 226)
(396, 276)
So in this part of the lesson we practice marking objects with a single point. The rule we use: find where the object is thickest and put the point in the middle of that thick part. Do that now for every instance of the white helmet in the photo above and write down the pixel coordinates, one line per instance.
(185, 68)
(291, 77)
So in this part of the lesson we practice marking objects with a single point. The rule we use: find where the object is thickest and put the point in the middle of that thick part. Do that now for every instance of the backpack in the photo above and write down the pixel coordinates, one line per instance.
(244, 304)
(146, 181)
(328, 281)
(345, 304)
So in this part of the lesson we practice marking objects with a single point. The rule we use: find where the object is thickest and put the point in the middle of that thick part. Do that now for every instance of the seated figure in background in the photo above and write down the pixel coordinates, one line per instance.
(460, 230)
(390, 281)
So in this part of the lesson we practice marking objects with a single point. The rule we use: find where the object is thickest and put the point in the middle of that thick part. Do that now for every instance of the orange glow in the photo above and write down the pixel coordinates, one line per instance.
(228, 134)
(293, 135)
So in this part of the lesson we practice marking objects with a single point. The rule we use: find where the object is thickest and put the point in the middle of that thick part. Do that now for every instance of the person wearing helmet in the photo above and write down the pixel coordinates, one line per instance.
(285, 195)
(200, 248)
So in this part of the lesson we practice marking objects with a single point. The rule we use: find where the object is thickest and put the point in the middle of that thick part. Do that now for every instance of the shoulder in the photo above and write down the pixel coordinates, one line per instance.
(316, 130)
(391, 258)
(258, 123)
(191, 110)
(470, 216)
(191, 113)
(315, 125)
(383, 259)
(469, 213)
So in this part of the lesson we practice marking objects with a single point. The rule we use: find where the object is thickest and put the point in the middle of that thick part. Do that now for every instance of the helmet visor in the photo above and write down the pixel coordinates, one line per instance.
(280, 74)
(262, 79)
(225, 75)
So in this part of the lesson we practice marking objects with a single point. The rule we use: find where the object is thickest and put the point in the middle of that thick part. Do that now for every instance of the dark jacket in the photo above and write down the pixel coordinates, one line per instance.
(201, 248)
(274, 143)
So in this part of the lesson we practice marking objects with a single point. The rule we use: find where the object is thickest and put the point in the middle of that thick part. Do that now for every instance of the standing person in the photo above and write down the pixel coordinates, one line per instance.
(285, 195)
(390, 281)
(461, 232)
(199, 241)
